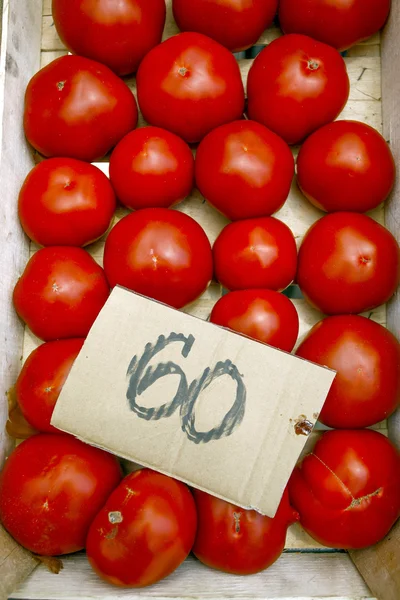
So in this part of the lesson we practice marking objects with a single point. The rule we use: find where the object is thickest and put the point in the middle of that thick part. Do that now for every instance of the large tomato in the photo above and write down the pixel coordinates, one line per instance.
(190, 84)
(151, 167)
(51, 488)
(255, 253)
(244, 170)
(77, 107)
(65, 202)
(236, 24)
(144, 532)
(348, 263)
(296, 85)
(338, 23)
(346, 165)
(239, 541)
(117, 34)
(60, 293)
(366, 356)
(347, 490)
(264, 315)
(160, 253)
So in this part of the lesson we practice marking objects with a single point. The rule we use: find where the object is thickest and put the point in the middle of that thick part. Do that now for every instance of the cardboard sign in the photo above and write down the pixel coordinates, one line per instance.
(212, 408)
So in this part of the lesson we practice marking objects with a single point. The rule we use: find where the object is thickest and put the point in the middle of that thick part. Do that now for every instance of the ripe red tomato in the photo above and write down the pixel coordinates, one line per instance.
(51, 488)
(117, 34)
(160, 253)
(340, 24)
(41, 380)
(296, 85)
(151, 167)
(144, 532)
(255, 253)
(77, 107)
(348, 263)
(244, 170)
(236, 24)
(60, 293)
(239, 541)
(65, 202)
(264, 315)
(347, 490)
(346, 165)
(190, 84)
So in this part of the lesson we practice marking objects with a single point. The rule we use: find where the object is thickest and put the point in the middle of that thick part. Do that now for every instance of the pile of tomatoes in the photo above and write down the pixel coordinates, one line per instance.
(59, 495)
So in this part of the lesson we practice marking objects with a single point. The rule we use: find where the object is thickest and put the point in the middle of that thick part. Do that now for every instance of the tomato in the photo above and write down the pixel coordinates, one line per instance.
(255, 253)
(348, 263)
(239, 541)
(296, 85)
(78, 108)
(41, 380)
(346, 165)
(338, 23)
(117, 34)
(151, 167)
(263, 315)
(347, 490)
(60, 293)
(160, 253)
(65, 202)
(51, 488)
(236, 24)
(144, 532)
(244, 170)
(189, 85)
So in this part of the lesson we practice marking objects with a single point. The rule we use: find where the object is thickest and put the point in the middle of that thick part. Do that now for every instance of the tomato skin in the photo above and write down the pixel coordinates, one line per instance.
(348, 263)
(244, 170)
(340, 24)
(75, 98)
(51, 488)
(263, 315)
(65, 202)
(255, 253)
(116, 34)
(152, 534)
(189, 85)
(235, 25)
(60, 293)
(151, 167)
(160, 253)
(347, 490)
(296, 85)
(346, 165)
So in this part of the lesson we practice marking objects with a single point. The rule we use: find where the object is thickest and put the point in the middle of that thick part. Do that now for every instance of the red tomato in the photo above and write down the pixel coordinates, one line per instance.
(190, 84)
(239, 541)
(144, 532)
(347, 490)
(338, 23)
(244, 170)
(41, 380)
(117, 34)
(264, 315)
(151, 167)
(51, 488)
(60, 293)
(77, 107)
(160, 253)
(255, 253)
(348, 263)
(65, 202)
(346, 165)
(236, 24)
(296, 85)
